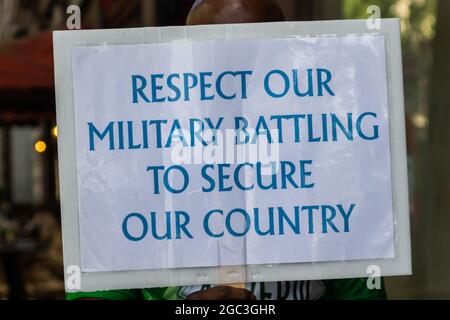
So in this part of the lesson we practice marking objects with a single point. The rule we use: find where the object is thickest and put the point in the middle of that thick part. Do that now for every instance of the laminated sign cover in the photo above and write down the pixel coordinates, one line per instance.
(236, 151)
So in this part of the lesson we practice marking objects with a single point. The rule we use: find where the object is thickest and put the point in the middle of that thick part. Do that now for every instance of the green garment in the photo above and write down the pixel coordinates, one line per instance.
(343, 289)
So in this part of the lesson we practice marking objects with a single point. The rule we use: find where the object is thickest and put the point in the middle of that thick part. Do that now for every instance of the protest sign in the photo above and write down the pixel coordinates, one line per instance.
(223, 154)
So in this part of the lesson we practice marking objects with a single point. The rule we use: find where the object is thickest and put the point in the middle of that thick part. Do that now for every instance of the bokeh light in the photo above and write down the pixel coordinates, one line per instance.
(40, 146)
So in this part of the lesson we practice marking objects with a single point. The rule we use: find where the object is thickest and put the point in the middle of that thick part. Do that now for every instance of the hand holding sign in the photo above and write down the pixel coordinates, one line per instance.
(223, 293)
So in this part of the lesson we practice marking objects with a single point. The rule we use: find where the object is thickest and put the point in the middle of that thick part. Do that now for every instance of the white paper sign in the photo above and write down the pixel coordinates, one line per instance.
(231, 153)
(324, 102)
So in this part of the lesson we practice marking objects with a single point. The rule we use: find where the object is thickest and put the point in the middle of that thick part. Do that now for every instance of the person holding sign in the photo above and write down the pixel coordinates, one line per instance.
(221, 12)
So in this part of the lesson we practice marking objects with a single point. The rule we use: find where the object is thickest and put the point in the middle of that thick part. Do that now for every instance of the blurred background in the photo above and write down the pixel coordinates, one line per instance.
(30, 235)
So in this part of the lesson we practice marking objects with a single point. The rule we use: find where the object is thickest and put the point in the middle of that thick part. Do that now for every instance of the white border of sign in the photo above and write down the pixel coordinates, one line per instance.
(64, 41)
